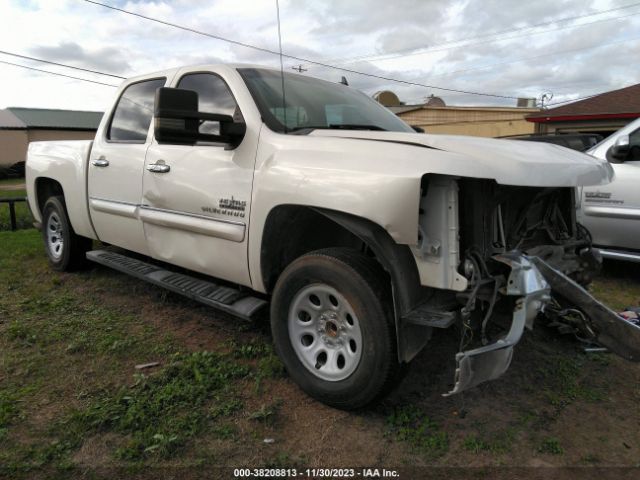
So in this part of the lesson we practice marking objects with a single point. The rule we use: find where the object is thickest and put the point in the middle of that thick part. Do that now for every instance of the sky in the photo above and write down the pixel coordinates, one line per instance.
(565, 48)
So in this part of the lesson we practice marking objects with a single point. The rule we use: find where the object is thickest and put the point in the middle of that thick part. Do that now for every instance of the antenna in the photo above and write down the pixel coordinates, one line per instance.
(284, 103)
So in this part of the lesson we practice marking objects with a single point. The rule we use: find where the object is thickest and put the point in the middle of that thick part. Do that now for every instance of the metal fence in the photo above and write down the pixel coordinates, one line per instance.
(12, 209)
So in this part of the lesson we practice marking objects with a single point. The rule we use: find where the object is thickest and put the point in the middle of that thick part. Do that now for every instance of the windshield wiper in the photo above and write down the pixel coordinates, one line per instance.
(356, 126)
(340, 126)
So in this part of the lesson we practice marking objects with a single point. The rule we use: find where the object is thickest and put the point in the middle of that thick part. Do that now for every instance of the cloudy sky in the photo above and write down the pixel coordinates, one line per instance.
(571, 48)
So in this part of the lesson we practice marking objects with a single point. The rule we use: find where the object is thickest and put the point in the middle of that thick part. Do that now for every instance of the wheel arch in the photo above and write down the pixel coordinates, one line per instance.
(45, 188)
(291, 231)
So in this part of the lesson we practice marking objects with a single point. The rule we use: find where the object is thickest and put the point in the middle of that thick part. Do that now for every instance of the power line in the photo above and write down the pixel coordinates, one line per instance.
(434, 49)
(410, 52)
(293, 57)
(58, 74)
(524, 59)
(59, 64)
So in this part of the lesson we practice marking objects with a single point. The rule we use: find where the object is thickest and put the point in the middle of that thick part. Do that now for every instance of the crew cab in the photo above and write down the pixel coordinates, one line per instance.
(612, 212)
(243, 187)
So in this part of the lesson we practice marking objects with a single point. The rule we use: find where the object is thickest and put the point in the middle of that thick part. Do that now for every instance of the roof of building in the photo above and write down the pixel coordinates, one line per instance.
(621, 103)
(404, 108)
(44, 118)
(8, 121)
(408, 108)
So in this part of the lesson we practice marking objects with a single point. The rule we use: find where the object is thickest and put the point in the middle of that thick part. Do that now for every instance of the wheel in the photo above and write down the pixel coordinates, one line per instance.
(65, 249)
(333, 328)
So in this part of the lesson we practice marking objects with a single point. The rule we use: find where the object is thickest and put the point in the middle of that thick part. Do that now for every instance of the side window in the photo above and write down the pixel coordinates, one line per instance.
(134, 111)
(214, 96)
(634, 142)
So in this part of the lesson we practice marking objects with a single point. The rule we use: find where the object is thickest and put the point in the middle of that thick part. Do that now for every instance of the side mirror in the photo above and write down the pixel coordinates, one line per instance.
(417, 128)
(177, 120)
(620, 149)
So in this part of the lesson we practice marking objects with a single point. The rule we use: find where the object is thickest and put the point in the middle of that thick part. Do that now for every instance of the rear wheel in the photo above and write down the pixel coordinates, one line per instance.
(65, 249)
(332, 325)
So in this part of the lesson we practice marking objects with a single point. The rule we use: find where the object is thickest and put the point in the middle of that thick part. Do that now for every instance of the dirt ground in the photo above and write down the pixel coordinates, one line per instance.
(65, 360)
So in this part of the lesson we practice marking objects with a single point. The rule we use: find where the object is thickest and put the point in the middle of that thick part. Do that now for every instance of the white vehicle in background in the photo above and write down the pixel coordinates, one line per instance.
(362, 234)
(611, 212)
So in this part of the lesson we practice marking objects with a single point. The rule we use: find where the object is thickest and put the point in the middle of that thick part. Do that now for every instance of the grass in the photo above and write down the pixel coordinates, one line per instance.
(74, 354)
(564, 382)
(158, 414)
(411, 425)
(71, 399)
(23, 215)
(551, 446)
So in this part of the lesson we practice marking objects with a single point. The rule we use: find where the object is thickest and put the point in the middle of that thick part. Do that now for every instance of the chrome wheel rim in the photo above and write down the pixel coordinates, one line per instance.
(55, 240)
(325, 332)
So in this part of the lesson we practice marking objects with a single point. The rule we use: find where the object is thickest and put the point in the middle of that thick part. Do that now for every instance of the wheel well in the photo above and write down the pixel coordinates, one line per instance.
(45, 188)
(291, 231)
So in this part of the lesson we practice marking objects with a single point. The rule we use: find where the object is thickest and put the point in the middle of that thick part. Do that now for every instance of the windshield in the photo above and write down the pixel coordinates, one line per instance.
(313, 103)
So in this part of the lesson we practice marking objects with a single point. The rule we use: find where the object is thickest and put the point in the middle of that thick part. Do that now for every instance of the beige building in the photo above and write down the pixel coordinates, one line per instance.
(434, 116)
(475, 121)
(19, 126)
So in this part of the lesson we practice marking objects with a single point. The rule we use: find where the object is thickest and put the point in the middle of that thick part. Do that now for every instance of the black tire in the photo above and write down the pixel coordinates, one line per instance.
(69, 253)
(365, 286)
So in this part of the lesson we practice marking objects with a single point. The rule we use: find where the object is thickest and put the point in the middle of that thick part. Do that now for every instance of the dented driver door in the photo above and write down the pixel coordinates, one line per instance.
(196, 198)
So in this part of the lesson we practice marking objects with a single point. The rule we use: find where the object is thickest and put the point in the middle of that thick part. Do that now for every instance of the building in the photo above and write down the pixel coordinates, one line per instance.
(602, 114)
(435, 116)
(19, 126)
(475, 121)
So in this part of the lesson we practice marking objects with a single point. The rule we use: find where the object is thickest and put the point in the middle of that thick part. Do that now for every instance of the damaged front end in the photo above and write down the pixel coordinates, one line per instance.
(524, 253)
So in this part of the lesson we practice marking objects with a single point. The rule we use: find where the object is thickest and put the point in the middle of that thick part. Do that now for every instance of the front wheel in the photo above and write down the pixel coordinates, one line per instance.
(332, 325)
(65, 249)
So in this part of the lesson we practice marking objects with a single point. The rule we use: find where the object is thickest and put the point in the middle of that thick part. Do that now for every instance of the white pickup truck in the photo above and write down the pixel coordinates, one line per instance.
(362, 234)
(612, 212)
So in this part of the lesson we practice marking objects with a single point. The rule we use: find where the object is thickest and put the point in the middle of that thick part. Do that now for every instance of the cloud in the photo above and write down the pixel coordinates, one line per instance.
(335, 31)
(107, 59)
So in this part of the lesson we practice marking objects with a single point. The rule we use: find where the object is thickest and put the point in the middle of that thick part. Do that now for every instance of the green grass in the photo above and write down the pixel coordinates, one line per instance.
(409, 424)
(23, 216)
(551, 445)
(12, 181)
(159, 414)
(564, 382)
(74, 353)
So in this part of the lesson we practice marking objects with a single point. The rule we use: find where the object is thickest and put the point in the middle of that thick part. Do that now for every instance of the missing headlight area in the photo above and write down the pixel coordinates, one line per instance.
(518, 251)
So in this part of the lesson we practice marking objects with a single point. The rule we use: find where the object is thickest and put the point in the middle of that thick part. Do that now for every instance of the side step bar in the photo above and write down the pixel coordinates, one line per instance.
(620, 255)
(227, 299)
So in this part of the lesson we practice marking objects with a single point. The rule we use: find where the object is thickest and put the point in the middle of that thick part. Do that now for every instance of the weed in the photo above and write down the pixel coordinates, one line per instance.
(253, 349)
(8, 408)
(226, 407)
(551, 445)
(499, 443)
(410, 424)
(159, 413)
(563, 382)
(266, 413)
(22, 333)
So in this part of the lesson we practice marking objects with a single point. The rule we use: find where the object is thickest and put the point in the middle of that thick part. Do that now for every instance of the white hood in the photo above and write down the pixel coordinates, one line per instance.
(509, 162)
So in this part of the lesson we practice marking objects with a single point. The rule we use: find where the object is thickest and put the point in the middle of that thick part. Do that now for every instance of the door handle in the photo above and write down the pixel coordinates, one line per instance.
(100, 162)
(158, 168)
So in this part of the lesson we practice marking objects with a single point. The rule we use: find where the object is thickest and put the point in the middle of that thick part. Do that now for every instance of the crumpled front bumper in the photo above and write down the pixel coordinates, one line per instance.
(532, 280)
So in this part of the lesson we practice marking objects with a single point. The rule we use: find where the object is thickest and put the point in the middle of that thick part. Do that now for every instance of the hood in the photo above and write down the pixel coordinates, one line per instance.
(509, 162)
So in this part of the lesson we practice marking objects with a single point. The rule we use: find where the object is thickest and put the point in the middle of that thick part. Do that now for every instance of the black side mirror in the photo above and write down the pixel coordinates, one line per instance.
(620, 149)
(417, 128)
(177, 120)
